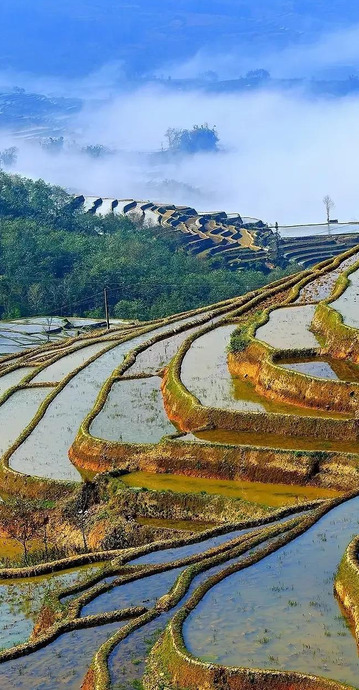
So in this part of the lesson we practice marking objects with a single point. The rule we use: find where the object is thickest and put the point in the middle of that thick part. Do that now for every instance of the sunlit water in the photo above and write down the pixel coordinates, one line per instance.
(257, 492)
(322, 287)
(348, 302)
(325, 368)
(288, 328)
(281, 612)
(133, 413)
(13, 378)
(205, 373)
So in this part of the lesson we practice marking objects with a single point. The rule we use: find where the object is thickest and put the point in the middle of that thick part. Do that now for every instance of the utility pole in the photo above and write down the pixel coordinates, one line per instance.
(106, 308)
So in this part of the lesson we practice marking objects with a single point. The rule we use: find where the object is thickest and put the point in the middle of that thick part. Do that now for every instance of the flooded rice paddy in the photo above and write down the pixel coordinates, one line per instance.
(13, 378)
(17, 412)
(281, 612)
(289, 328)
(62, 420)
(66, 412)
(348, 302)
(62, 664)
(204, 369)
(323, 367)
(142, 592)
(158, 355)
(322, 287)
(21, 600)
(174, 553)
(66, 660)
(277, 441)
(21, 334)
(133, 413)
(205, 373)
(274, 495)
(64, 366)
(127, 661)
(153, 359)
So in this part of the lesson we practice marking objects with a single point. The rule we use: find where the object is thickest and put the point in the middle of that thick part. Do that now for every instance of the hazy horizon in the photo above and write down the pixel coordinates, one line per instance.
(280, 151)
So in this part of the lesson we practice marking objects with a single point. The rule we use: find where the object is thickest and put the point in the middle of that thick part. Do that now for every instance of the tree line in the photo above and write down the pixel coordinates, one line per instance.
(56, 260)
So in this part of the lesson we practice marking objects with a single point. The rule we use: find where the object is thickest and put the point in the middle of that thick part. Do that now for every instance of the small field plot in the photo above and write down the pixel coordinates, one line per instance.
(266, 494)
(58, 370)
(13, 378)
(281, 612)
(45, 452)
(289, 328)
(321, 288)
(324, 368)
(133, 413)
(17, 412)
(21, 600)
(348, 303)
(204, 369)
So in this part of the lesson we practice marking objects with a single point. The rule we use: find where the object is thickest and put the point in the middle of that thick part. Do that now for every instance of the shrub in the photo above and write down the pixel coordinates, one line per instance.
(239, 341)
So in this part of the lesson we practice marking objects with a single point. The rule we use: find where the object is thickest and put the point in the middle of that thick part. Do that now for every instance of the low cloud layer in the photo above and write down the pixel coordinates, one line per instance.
(280, 153)
(332, 52)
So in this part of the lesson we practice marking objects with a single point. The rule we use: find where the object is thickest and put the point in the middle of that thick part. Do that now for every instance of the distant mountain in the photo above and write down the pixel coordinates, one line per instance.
(20, 109)
(74, 38)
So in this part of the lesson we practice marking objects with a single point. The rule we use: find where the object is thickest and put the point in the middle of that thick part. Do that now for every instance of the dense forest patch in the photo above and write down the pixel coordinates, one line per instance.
(56, 260)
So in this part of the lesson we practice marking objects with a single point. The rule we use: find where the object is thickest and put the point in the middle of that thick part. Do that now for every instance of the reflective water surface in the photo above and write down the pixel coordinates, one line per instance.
(281, 613)
(205, 373)
(348, 302)
(133, 413)
(288, 328)
(266, 494)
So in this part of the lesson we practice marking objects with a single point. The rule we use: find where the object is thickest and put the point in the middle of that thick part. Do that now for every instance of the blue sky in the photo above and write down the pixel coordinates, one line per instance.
(72, 39)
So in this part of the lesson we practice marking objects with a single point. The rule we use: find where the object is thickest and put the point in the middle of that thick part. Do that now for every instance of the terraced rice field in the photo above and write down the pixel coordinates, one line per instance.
(318, 229)
(133, 413)
(347, 303)
(280, 613)
(223, 496)
(28, 333)
(325, 368)
(240, 242)
(322, 287)
(267, 494)
(289, 328)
